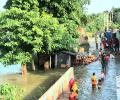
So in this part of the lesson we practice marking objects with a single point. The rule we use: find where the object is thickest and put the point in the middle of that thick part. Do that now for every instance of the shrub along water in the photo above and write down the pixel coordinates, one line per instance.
(10, 92)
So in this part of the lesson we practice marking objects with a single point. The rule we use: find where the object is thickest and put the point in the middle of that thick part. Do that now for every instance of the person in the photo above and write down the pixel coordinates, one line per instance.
(103, 61)
(100, 52)
(75, 87)
(102, 76)
(99, 84)
(107, 59)
(71, 82)
(94, 81)
(113, 44)
(110, 45)
(104, 42)
(96, 41)
(116, 45)
(73, 95)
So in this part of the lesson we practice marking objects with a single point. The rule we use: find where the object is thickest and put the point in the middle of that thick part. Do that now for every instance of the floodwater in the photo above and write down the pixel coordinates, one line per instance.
(83, 76)
(118, 77)
(35, 83)
(108, 90)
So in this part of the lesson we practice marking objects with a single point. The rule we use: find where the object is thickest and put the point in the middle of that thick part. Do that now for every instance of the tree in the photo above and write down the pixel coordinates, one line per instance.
(65, 10)
(24, 33)
(116, 16)
(23, 4)
(28, 27)
(95, 23)
(19, 35)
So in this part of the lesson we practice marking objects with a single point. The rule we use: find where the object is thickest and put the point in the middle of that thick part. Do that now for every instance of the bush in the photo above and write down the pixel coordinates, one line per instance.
(10, 92)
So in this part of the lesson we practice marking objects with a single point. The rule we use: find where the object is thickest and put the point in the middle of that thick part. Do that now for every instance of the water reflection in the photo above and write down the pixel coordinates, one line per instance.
(35, 83)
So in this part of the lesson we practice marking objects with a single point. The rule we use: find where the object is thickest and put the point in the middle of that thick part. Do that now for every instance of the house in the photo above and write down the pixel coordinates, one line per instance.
(64, 59)
(55, 60)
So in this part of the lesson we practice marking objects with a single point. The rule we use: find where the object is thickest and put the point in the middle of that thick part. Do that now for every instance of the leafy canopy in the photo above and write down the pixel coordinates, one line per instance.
(23, 33)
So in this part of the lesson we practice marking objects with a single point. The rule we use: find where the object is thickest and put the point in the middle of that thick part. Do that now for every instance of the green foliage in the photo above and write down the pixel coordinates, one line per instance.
(116, 16)
(10, 92)
(70, 9)
(19, 35)
(114, 26)
(39, 26)
(29, 33)
(23, 4)
(95, 23)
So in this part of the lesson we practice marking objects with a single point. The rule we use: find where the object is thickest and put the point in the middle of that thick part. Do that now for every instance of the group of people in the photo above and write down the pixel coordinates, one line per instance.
(100, 80)
(104, 58)
(110, 44)
(73, 89)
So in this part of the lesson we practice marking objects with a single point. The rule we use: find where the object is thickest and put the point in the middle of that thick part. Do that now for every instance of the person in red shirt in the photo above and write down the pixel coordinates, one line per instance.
(73, 95)
(104, 43)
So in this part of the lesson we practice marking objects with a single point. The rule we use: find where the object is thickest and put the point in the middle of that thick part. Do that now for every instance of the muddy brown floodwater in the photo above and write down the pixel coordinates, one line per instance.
(35, 84)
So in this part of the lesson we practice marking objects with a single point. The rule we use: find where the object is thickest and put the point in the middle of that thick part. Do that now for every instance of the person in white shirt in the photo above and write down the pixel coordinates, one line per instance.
(102, 76)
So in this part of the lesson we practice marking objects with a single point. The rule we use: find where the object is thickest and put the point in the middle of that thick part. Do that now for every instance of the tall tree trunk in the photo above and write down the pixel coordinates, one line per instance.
(33, 65)
(50, 61)
(56, 60)
(38, 59)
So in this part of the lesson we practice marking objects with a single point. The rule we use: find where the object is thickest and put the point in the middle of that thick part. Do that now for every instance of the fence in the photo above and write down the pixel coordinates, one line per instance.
(59, 87)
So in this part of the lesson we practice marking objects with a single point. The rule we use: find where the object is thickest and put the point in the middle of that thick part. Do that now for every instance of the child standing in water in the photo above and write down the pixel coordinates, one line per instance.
(94, 81)
(102, 76)
(99, 84)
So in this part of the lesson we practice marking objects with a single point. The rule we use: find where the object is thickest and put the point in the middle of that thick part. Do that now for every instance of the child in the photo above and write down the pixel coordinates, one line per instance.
(102, 76)
(99, 84)
(94, 82)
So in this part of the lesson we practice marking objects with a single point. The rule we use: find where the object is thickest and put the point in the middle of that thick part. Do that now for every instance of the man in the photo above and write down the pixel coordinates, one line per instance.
(116, 45)
(103, 61)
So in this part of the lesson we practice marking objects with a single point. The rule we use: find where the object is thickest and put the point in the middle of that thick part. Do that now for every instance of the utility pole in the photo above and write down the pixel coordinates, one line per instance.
(107, 21)
(104, 21)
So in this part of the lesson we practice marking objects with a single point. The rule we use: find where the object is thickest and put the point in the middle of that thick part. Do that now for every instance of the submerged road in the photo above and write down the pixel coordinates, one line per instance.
(108, 90)
(111, 86)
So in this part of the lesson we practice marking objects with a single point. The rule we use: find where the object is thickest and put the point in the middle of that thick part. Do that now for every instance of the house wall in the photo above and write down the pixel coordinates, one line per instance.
(62, 59)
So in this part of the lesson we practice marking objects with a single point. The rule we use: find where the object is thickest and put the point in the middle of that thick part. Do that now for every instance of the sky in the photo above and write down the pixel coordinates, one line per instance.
(2, 3)
(96, 6)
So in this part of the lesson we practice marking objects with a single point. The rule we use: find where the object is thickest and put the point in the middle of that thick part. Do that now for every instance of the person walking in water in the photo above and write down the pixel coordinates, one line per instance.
(94, 81)
(103, 61)
(107, 59)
